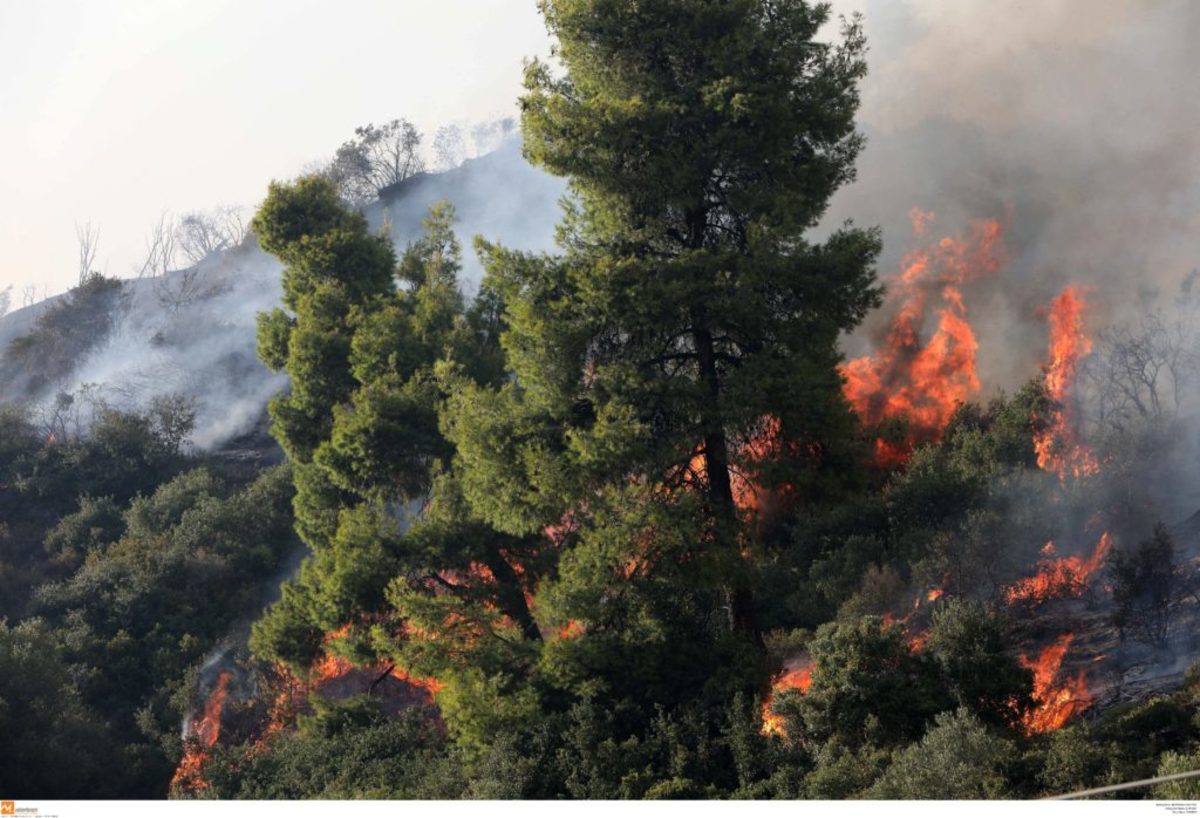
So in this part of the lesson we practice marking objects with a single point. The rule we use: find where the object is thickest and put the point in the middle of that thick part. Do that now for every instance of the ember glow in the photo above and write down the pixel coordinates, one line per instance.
(202, 736)
(1058, 446)
(429, 685)
(1059, 577)
(799, 678)
(333, 676)
(925, 380)
(764, 442)
(572, 629)
(1058, 699)
(330, 667)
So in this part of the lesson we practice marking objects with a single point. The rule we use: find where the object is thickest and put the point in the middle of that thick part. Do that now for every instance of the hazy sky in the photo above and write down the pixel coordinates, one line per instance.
(114, 112)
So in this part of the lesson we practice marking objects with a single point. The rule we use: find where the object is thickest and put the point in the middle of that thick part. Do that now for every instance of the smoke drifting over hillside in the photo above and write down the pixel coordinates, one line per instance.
(499, 196)
(193, 332)
(203, 348)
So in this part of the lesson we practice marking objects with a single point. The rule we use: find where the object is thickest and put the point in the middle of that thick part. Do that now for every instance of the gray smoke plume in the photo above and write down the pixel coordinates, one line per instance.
(1069, 120)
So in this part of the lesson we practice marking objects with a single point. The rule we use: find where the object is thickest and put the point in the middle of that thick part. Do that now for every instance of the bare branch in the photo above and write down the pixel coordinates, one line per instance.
(200, 235)
(377, 158)
(88, 238)
(160, 249)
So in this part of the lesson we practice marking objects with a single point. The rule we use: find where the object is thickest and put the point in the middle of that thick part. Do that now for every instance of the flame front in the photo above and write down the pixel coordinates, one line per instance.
(1058, 447)
(1059, 577)
(925, 382)
(325, 675)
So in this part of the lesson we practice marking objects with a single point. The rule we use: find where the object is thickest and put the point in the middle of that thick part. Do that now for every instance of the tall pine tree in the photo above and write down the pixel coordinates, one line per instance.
(685, 341)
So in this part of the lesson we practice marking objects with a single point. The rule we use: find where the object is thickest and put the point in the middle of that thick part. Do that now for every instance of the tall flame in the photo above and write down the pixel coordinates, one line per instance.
(925, 381)
(202, 735)
(1058, 447)
(1057, 701)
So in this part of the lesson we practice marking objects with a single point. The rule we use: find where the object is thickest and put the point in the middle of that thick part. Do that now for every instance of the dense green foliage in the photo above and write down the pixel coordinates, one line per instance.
(125, 562)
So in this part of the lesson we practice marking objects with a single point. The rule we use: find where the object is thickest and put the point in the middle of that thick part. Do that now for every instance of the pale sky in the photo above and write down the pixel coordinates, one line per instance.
(115, 111)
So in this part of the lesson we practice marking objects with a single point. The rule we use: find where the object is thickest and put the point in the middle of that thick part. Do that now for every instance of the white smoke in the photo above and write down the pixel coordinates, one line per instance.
(192, 333)
(499, 196)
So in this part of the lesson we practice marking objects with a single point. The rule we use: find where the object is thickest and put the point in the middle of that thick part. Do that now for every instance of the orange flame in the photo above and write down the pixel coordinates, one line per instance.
(1056, 701)
(330, 666)
(925, 382)
(764, 441)
(1058, 447)
(326, 671)
(762, 445)
(429, 684)
(572, 629)
(202, 736)
(917, 641)
(798, 678)
(1058, 578)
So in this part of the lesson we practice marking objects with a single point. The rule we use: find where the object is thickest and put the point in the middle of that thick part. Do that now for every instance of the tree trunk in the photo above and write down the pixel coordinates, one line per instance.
(716, 467)
(511, 598)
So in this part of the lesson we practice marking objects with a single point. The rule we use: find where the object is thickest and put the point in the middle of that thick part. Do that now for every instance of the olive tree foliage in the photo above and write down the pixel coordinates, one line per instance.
(377, 157)
(969, 642)
(868, 687)
(957, 759)
(1173, 763)
(54, 743)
